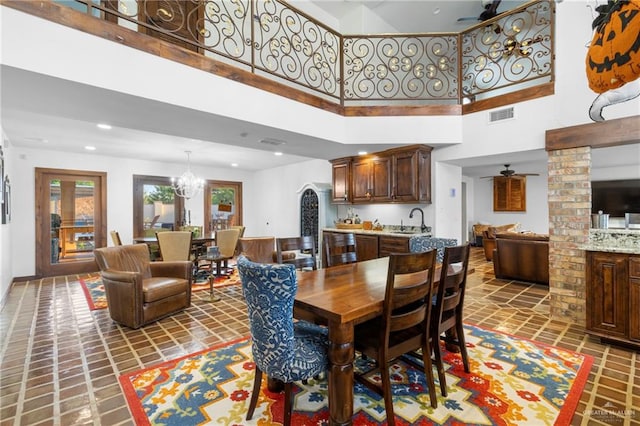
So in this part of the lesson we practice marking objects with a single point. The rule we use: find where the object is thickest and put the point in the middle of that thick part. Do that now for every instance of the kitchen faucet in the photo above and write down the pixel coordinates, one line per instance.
(423, 227)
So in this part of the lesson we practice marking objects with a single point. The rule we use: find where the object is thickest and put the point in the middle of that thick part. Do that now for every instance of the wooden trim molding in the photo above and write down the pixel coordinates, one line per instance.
(601, 134)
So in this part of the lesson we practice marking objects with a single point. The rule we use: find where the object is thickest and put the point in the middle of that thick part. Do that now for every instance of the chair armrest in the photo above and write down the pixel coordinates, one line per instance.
(120, 276)
(173, 269)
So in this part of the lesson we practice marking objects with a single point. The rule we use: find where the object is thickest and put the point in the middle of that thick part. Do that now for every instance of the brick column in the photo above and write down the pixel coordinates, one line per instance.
(569, 220)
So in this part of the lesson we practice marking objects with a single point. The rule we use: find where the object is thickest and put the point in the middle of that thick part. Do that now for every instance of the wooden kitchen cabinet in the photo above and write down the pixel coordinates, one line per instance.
(634, 298)
(613, 297)
(371, 179)
(412, 176)
(388, 244)
(398, 175)
(510, 193)
(373, 246)
(367, 247)
(341, 178)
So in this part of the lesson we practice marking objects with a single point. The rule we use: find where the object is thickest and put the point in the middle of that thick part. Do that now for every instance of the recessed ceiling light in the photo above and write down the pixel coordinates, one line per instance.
(436, 10)
(90, 148)
(278, 153)
(234, 164)
(362, 152)
(104, 126)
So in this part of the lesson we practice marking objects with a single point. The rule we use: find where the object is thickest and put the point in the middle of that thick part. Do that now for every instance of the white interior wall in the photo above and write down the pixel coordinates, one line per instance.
(120, 173)
(6, 256)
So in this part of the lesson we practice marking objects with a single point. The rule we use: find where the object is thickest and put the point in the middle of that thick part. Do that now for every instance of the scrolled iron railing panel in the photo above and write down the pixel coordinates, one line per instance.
(271, 38)
(400, 68)
(513, 49)
(295, 48)
(227, 28)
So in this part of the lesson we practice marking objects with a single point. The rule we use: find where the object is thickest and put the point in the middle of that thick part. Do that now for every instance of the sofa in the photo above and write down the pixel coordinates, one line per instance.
(522, 257)
(479, 231)
(489, 237)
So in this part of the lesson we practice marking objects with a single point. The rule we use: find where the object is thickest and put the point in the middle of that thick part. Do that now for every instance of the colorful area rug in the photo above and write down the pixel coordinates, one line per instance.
(96, 298)
(512, 382)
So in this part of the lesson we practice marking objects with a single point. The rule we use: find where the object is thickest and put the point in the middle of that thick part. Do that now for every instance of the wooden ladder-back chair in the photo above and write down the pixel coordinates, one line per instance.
(447, 311)
(404, 323)
(303, 248)
(339, 249)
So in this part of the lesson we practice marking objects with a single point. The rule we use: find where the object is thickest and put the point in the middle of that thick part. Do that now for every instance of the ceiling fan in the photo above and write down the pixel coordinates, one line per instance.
(490, 11)
(507, 172)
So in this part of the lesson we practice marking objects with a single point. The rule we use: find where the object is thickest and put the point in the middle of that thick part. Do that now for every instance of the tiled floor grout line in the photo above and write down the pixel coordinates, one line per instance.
(27, 358)
(86, 371)
(596, 376)
(632, 374)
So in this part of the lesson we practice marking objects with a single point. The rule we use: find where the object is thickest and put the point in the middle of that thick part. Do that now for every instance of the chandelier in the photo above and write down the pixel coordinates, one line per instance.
(187, 185)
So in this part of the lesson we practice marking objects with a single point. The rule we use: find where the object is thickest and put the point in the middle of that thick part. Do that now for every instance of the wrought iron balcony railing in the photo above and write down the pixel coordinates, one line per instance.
(273, 39)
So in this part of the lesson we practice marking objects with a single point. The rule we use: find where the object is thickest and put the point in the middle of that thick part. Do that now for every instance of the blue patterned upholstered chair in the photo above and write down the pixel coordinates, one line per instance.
(418, 244)
(283, 349)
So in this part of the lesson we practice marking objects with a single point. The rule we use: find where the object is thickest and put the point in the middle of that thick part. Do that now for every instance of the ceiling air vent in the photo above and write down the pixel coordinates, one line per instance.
(501, 114)
(273, 142)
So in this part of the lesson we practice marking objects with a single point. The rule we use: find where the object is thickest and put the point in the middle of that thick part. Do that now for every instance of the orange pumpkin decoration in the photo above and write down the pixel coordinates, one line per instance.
(613, 58)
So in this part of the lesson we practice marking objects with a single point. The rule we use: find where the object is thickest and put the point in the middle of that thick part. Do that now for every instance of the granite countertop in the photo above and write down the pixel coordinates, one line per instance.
(386, 231)
(614, 240)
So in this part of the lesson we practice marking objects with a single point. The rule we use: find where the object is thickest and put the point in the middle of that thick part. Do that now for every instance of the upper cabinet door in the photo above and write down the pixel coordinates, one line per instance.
(371, 179)
(510, 194)
(412, 176)
(381, 179)
(341, 177)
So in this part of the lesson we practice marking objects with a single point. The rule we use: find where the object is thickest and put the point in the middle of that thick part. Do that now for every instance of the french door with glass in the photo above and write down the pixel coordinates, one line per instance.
(70, 220)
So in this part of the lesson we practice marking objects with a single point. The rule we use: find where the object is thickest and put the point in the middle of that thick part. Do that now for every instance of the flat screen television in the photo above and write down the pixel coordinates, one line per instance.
(615, 197)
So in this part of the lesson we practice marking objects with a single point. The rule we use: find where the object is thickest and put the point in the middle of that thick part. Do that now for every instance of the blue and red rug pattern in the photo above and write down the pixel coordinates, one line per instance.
(512, 381)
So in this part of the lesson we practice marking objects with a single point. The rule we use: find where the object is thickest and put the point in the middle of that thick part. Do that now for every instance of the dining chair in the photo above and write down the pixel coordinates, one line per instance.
(259, 249)
(227, 240)
(175, 245)
(240, 229)
(447, 310)
(339, 249)
(303, 248)
(115, 237)
(284, 350)
(404, 323)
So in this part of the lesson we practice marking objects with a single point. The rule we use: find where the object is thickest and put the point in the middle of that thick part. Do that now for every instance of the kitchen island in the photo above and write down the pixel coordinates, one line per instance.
(613, 285)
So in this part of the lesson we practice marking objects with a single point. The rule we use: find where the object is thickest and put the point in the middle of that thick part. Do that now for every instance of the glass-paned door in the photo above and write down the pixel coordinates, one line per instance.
(224, 205)
(71, 224)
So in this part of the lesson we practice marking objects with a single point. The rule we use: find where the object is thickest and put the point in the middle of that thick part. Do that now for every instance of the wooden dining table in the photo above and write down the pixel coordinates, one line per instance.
(343, 296)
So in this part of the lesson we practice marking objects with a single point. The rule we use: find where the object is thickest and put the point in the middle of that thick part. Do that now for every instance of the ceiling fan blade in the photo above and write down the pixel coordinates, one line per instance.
(527, 174)
(468, 18)
(486, 177)
(490, 11)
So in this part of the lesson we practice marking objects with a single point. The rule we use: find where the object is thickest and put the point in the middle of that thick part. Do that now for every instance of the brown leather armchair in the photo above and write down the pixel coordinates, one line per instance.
(140, 291)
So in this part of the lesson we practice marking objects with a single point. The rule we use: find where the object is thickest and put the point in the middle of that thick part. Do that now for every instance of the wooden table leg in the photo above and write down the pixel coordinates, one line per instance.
(341, 356)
